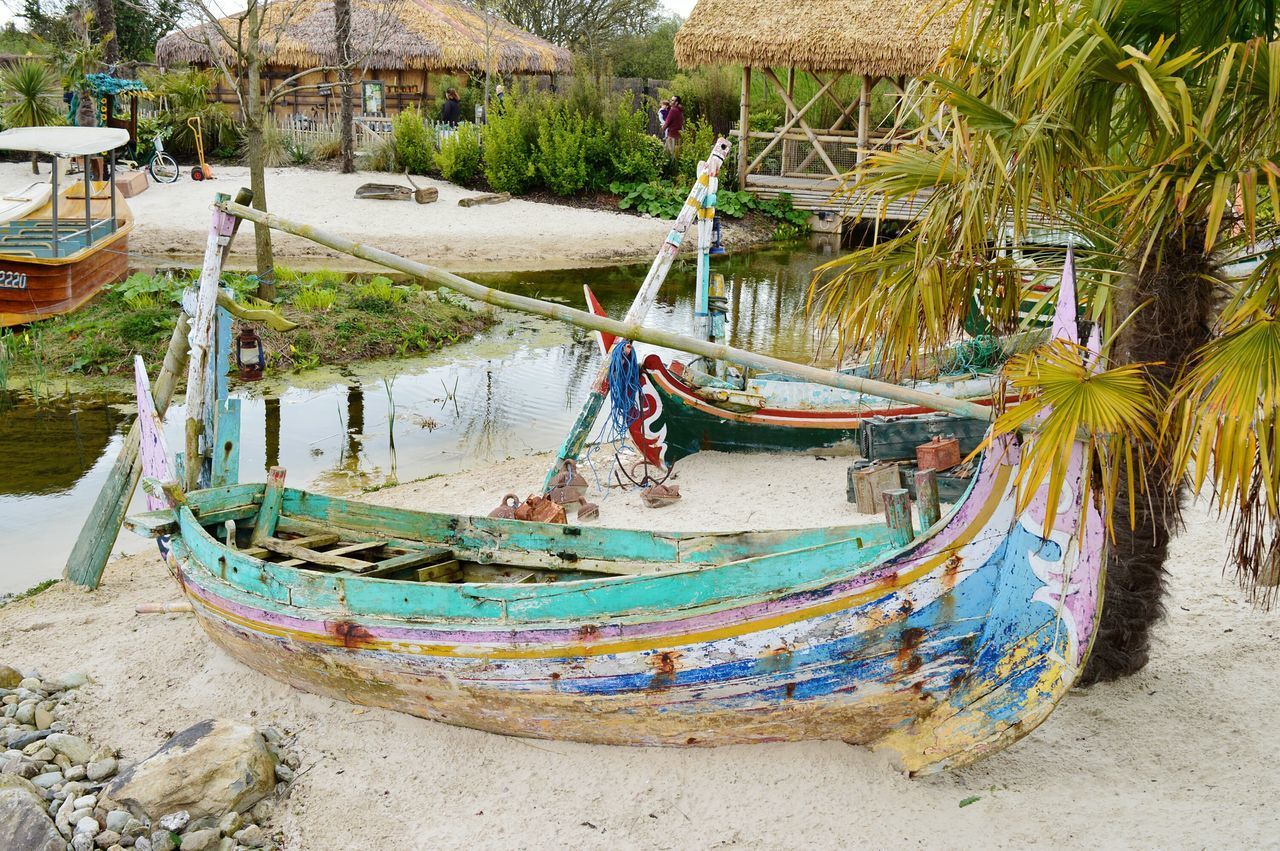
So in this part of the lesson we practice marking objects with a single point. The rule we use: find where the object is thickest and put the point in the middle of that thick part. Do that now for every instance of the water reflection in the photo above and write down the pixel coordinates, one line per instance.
(511, 391)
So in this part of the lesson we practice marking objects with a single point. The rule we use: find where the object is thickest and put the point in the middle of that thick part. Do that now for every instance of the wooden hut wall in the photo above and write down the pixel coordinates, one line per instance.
(316, 96)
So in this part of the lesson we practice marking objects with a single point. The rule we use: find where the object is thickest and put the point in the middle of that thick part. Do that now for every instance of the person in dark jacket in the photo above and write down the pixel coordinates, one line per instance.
(673, 125)
(451, 111)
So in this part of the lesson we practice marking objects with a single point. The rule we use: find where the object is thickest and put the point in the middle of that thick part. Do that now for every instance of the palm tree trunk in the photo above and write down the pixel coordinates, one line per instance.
(105, 20)
(1173, 300)
(342, 34)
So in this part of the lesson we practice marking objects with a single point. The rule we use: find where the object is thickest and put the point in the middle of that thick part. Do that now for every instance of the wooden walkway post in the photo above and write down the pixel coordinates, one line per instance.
(927, 498)
(744, 126)
(897, 514)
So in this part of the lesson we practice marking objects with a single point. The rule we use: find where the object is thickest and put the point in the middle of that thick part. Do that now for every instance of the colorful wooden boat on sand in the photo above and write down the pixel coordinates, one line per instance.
(941, 650)
(61, 243)
(683, 410)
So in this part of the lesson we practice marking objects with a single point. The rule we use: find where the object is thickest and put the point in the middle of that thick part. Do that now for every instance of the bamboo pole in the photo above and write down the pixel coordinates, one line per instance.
(744, 128)
(625, 330)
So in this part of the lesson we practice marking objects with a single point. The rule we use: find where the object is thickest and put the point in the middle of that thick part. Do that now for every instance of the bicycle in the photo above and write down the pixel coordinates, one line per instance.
(163, 168)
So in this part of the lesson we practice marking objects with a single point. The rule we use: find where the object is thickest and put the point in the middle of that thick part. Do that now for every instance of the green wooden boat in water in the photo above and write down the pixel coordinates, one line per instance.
(941, 650)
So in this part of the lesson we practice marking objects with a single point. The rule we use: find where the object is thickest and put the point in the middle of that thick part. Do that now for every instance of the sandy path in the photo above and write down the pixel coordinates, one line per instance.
(172, 220)
(1183, 755)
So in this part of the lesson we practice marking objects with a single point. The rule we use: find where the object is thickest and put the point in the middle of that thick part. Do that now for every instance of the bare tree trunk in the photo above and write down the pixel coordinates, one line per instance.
(105, 19)
(257, 115)
(1165, 333)
(86, 108)
(342, 34)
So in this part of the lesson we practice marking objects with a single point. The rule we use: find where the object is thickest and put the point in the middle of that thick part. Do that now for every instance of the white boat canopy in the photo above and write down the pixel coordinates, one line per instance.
(64, 141)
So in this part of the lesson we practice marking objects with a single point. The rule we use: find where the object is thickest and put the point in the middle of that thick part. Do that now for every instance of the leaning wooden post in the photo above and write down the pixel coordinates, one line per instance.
(864, 118)
(269, 512)
(897, 515)
(927, 498)
(202, 361)
(744, 128)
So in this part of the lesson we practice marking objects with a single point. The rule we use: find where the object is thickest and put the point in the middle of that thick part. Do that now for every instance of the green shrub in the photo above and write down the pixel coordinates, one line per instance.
(695, 145)
(634, 155)
(378, 295)
(459, 156)
(415, 144)
(562, 150)
(511, 141)
(141, 291)
(315, 300)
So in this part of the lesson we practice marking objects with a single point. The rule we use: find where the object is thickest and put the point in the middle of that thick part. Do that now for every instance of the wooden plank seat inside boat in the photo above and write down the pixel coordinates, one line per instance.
(329, 553)
(34, 237)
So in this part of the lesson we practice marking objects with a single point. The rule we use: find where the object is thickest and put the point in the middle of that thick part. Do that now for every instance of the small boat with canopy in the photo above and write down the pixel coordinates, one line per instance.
(61, 242)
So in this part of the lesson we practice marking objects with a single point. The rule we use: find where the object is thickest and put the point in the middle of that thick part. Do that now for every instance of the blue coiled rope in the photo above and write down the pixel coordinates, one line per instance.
(624, 387)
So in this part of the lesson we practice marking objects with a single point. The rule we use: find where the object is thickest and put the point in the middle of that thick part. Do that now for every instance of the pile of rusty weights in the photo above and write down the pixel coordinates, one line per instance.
(566, 493)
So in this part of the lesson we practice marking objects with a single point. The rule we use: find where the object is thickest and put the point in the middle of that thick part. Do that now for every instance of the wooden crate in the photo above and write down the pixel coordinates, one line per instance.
(870, 482)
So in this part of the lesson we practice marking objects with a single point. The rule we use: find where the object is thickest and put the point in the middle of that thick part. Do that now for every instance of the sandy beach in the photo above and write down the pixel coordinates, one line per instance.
(1180, 756)
(171, 222)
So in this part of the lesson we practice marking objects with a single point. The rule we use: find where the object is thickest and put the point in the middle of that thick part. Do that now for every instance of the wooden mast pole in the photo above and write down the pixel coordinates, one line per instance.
(624, 330)
(864, 118)
(744, 129)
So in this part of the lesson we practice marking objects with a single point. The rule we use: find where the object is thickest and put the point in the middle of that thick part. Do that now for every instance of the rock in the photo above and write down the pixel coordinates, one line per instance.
(13, 781)
(208, 769)
(134, 828)
(261, 811)
(102, 769)
(199, 840)
(106, 839)
(44, 754)
(117, 819)
(142, 843)
(44, 717)
(175, 821)
(62, 818)
(284, 773)
(48, 780)
(21, 738)
(82, 842)
(74, 748)
(251, 837)
(86, 802)
(9, 677)
(76, 772)
(80, 814)
(202, 823)
(226, 843)
(163, 840)
(72, 680)
(24, 823)
(87, 824)
(230, 823)
(25, 713)
(23, 768)
(29, 683)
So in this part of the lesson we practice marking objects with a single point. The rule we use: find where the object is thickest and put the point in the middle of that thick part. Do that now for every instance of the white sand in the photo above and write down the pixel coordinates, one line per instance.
(171, 222)
(1181, 756)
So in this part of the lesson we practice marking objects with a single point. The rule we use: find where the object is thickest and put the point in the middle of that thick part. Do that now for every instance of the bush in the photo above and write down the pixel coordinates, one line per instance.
(459, 156)
(562, 151)
(378, 295)
(695, 145)
(634, 155)
(654, 198)
(415, 145)
(382, 156)
(511, 140)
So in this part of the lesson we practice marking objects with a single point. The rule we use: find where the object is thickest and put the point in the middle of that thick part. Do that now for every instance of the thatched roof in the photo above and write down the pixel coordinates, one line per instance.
(886, 38)
(432, 35)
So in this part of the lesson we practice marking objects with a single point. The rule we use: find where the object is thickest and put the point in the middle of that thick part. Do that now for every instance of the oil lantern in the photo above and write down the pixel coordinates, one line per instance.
(250, 356)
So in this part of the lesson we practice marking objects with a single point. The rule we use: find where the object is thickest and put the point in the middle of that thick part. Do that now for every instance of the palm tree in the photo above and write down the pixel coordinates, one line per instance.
(32, 97)
(1146, 132)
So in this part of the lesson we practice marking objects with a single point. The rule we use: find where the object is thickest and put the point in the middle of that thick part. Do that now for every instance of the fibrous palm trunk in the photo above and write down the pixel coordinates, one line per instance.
(105, 20)
(1173, 297)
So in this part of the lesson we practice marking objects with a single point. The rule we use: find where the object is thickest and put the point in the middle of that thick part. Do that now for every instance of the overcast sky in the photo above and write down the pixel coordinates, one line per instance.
(680, 7)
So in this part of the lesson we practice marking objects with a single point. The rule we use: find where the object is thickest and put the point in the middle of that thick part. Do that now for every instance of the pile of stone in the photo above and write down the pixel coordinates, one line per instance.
(208, 788)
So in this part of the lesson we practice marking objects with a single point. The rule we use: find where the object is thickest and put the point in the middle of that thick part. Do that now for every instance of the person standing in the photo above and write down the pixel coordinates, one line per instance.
(451, 110)
(673, 125)
(663, 109)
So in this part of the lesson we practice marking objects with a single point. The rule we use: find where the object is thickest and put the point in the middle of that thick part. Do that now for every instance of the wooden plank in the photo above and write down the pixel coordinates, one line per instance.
(406, 561)
(310, 556)
(345, 549)
(226, 443)
(796, 117)
(98, 535)
(445, 571)
(269, 513)
(897, 515)
(927, 498)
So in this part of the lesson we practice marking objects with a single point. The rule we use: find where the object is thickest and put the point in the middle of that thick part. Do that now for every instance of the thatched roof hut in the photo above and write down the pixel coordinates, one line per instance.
(881, 38)
(421, 35)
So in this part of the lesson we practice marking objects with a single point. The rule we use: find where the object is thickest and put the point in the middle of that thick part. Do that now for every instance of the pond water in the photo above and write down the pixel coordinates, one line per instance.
(511, 391)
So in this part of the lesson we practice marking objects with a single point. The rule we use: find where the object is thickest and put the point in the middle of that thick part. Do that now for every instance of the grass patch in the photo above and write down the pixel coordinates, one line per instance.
(38, 588)
(342, 318)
